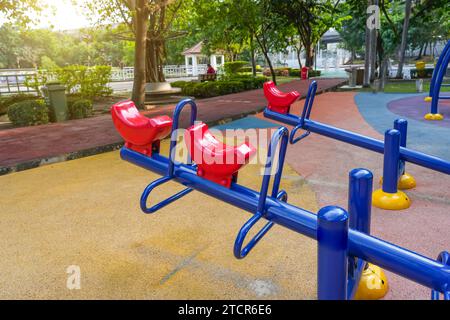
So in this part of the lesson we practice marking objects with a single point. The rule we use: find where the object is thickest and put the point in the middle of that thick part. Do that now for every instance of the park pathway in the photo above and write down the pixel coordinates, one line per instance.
(30, 147)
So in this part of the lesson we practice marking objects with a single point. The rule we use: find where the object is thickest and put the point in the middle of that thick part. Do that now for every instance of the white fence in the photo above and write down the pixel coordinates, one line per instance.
(170, 71)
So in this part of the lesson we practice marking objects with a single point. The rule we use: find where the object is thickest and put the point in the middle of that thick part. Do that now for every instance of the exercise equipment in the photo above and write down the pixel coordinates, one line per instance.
(344, 242)
(436, 84)
(396, 154)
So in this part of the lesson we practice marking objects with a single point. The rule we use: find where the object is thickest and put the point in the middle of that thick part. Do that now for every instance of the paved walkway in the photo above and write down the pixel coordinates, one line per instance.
(29, 147)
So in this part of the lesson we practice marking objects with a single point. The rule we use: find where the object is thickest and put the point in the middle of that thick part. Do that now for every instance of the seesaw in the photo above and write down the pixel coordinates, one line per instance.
(345, 246)
(436, 84)
(394, 146)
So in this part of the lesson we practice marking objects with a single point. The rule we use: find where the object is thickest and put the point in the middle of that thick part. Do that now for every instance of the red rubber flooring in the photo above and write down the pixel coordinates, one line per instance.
(20, 145)
(325, 163)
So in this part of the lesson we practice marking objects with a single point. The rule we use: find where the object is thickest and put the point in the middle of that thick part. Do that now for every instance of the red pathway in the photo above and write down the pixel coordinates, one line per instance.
(28, 147)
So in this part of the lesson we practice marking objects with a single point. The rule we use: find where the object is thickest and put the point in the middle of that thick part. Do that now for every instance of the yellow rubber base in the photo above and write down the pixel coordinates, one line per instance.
(428, 99)
(390, 201)
(406, 182)
(434, 116)
(373, 284)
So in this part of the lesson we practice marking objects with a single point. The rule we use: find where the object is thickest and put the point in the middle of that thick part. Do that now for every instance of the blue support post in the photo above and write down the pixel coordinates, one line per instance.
(389, 197)
(391, 160)
(359, 210)
(332, 237)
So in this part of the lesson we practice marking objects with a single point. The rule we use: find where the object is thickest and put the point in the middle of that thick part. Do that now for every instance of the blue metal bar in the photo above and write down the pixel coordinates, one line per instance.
(391, 160)
(162, 204)
(280, 135)
(440, 73)
(332, 263)
(438, 67)
(403, 262)
(358, 140)
(359, 210)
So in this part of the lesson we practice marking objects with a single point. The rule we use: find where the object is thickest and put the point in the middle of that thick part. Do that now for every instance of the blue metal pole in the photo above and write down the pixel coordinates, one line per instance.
(402, 126)
(361, 141)
(359, 210)
(332, 238)
(391, 160)
(437, 85)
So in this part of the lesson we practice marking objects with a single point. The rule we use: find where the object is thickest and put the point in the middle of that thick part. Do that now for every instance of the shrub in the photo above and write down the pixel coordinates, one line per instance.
(179, 84)
(7, 101)
(28, 113)
(246, 69)
(294, 73)
(88, 82)
(228, 85)
(233, 67)
(79, 109)
(314, 73)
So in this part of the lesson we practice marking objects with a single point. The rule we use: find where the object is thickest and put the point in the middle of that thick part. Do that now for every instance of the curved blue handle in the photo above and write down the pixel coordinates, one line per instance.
(294, 131)
(173, 139)
(163, 203)
(444, 258)
(240, 253)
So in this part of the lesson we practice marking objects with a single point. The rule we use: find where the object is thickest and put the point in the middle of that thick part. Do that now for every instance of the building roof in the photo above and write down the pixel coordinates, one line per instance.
(197, 49)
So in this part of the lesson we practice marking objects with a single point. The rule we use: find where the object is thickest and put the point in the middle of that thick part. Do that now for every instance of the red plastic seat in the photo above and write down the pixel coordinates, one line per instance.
(140, 133)
(279, 101)
(215, 160)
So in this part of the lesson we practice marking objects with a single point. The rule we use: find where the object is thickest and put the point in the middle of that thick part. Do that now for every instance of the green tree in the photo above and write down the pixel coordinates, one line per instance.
(311, 18)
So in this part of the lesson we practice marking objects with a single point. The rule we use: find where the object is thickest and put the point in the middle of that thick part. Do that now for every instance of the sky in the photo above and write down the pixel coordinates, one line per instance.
(62, 15)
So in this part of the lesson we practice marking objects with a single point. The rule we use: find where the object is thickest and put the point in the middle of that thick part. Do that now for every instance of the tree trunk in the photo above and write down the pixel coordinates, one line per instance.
(272, 71)
(401, 59)
(309, 61)
(420, 52)
(366, 82)
(155, 60)
(252, 53)
(299, 57)
(140, 21)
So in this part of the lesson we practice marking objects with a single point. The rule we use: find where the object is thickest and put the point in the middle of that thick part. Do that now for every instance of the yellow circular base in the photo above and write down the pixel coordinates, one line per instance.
(406, 182)
(428, 99)
(434, 116)
(373, 284)
(390, 201)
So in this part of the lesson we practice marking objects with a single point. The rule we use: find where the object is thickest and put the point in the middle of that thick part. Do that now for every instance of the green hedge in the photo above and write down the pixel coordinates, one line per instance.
(314, 73)
(7, 101)
(79, 109)
(233, 67)
(28, 113)
(222, 87)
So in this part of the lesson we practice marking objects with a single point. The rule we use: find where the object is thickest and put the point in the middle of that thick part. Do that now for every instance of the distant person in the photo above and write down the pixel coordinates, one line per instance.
(210, 70)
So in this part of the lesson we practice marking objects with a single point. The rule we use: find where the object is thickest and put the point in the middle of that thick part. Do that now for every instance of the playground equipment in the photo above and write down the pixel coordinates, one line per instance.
(436, 84)
(394, 149)
(345, 246)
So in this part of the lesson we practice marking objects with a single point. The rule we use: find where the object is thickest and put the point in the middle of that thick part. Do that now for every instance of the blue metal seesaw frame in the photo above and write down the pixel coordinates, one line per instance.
(394, 147)
(438, 77)
(344, 243)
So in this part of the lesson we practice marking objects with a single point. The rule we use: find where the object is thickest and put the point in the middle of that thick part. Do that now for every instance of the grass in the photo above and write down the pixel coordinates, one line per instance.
(406, 87)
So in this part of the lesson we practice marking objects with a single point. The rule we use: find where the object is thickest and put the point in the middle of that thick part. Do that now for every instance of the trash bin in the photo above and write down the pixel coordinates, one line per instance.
(304, 74)
(55, 97)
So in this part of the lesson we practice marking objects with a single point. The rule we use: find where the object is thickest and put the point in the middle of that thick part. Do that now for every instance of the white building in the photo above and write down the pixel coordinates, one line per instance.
(196, 61)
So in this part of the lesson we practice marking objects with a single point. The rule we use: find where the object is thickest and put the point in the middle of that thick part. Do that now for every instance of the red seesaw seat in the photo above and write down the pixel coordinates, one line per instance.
(215, 160)
(279, 101)
(140, 133)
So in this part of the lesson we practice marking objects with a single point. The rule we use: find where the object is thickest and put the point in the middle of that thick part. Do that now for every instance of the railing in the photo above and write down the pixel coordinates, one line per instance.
(170, 71)
(13, 83)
